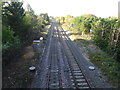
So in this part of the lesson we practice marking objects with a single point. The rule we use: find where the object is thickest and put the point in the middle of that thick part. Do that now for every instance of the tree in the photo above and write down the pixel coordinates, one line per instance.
(83, 23)
(69, 20)
(13, 14)
(45, 18)
(31, 18)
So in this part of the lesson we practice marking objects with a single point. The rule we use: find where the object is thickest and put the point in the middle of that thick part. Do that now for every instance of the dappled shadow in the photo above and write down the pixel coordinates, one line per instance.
(80, 40)
(83, 41)
(73, 34)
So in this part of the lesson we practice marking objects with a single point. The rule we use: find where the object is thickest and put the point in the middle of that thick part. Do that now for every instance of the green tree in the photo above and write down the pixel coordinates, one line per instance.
(13, 14)
(45, 18)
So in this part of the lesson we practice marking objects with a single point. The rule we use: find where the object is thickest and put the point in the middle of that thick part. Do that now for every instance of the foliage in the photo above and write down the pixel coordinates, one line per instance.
(17, 28)
(107, 36)
(62, 20)
(108, 65)
(83, 23)
(45, 18)
(106, 31)
(14, 12)
(7, 34)
(30, 17)
(12, 32)
(68, 21)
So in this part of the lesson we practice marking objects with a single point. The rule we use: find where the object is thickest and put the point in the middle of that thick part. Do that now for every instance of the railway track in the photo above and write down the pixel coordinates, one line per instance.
(60, 67)
(76, 75)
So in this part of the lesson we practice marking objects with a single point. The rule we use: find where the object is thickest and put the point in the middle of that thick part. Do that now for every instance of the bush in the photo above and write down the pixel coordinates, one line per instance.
(106, 35)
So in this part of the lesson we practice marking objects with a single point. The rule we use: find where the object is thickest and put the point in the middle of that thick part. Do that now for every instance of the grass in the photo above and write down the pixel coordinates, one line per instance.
(109, 66)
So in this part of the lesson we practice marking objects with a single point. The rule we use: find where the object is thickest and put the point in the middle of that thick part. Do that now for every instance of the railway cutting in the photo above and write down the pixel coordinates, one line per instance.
(63, 65)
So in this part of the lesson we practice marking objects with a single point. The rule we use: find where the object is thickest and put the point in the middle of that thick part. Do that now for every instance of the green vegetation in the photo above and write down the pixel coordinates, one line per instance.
(106, 35)
(45, 18)
(66, 21)
(19, 28)
(108, 65)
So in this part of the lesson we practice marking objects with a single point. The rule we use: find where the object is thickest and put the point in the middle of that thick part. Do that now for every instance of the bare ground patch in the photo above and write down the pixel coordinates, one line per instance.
(17, 74)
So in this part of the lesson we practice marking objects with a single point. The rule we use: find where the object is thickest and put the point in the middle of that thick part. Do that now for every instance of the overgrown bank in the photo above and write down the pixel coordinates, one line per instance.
(19, 29)
(17, 73)
(95, 46)
(104, 31)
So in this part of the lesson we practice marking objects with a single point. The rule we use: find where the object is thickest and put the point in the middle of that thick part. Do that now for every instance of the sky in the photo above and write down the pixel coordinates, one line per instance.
(100, 8)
